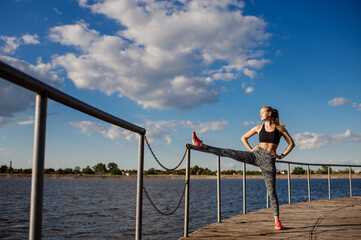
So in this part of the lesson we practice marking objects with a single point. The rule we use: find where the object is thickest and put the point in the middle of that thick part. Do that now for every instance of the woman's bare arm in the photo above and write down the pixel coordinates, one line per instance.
(249, 134)
(289, 140)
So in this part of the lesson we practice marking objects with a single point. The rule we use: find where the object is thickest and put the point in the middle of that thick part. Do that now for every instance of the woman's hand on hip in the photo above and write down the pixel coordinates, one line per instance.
(256, 148)
(277, 156)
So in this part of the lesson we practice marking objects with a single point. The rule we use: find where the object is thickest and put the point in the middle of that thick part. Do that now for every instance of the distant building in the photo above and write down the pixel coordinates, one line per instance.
(130, 173)
(283, 172)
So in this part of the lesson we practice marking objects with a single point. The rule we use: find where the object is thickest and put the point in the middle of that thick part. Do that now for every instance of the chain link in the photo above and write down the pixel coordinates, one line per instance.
(155, 157)
(163, 213)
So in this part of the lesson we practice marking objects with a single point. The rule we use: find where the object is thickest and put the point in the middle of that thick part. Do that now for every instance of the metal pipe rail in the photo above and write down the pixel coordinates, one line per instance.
(43, 92)
(189, 147)
(318, 164)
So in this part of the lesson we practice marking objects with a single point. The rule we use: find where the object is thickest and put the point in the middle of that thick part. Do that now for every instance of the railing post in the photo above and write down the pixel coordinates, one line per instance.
(267, 200)
(289, 183)
(244, 189)
(329, 182)
(186, 199)
(139, 207)
(350, 174)
(219, 188)
(37, 183)
(308, 183)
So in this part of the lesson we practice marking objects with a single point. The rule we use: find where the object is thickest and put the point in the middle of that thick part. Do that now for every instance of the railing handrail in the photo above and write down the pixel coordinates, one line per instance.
(318, 164)
(26, 81)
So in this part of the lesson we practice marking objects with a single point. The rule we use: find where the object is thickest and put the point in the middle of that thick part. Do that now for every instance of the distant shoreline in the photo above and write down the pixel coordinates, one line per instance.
(92, 176)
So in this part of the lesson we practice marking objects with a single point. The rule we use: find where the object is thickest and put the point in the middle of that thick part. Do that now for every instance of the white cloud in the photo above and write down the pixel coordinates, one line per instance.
(12, 43)
(57, 11)
(223, 76)
(4, 151)
(157, 131)
(343, 101)
(249, 89)
(27, 122)
(5, 120)
(115, 132)
(309, 140)
(87, 127)
(203, 127)
(278, 53)
(247, 123)
(30, 39)
(339, 101)
(164, 51)
(14, 99)
(257, 64)
(250, 73)
(74, 35)
(356, 106)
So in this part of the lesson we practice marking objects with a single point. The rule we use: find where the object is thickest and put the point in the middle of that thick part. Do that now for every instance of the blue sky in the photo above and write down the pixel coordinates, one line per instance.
(177, 66)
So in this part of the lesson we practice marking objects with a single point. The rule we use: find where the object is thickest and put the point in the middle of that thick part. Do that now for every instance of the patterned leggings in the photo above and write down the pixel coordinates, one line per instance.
(260, 158)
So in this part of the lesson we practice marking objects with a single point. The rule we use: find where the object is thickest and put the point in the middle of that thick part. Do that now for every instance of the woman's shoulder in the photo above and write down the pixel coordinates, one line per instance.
(258, 128)
(281, 128)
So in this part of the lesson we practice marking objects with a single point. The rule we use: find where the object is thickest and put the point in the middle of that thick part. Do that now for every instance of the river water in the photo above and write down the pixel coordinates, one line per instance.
(105, 208)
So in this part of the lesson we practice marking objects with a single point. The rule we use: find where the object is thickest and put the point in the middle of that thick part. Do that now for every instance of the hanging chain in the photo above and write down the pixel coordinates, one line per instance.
(155, 157)
(163, 213)
(168, 169)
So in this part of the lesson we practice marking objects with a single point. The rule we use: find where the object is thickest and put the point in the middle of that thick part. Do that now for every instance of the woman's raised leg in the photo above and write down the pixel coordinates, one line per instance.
(241, 156)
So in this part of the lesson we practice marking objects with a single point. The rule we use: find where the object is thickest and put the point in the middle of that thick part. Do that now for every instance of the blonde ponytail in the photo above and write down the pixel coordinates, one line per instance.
(275, 118)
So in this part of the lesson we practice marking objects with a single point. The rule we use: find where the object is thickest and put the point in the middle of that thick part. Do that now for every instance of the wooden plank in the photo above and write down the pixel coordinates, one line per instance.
(323, 219)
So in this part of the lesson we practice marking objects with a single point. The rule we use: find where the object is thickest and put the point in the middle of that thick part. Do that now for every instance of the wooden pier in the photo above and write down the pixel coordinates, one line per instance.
(338, 218)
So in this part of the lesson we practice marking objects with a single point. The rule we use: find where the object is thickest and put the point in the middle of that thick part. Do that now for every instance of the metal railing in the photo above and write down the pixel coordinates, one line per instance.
(219, 217)
(43, 93)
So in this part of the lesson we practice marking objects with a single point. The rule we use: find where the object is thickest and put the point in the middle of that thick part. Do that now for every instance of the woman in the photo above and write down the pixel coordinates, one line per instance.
(263, 155)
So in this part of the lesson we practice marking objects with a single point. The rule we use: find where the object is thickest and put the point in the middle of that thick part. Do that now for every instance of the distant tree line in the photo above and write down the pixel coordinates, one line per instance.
(322, 170)
(100, 168)
(113, 169)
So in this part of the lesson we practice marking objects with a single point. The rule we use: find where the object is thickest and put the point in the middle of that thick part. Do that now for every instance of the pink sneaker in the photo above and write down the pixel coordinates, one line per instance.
(195, 140)
(278, 225)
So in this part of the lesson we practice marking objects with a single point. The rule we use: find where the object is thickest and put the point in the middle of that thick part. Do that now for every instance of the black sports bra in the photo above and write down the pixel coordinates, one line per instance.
(269, 137)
